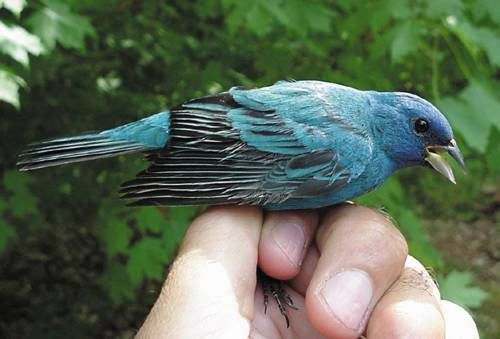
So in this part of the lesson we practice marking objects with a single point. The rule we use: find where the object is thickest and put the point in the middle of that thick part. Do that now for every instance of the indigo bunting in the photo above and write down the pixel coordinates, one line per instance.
(292, 145)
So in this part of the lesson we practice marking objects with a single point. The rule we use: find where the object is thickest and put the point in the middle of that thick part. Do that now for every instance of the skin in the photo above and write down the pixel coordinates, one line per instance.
(211, 290)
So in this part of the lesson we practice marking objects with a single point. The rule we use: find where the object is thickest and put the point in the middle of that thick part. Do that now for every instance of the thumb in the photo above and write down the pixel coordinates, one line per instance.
(210, 288)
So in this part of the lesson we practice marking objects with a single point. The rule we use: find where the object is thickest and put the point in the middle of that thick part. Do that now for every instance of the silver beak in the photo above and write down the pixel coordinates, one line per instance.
(455, 153)
(439, 163)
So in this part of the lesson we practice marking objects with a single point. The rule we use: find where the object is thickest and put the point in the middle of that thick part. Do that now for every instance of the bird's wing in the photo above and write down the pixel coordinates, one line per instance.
(233, 148)
(317, 115)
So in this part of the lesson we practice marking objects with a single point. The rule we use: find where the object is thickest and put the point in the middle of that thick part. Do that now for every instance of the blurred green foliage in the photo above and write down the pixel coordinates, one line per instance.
(72, 66)
(455, 287)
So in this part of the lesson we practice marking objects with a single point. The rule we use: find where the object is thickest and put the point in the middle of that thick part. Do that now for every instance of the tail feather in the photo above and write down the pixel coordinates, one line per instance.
(140, 136)
(77, 145)
(69, 150)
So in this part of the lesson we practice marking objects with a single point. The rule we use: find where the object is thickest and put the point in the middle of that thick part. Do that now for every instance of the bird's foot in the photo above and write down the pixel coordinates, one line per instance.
(275, 288)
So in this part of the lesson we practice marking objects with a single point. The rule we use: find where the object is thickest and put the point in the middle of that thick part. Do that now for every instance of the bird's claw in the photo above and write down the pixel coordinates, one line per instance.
(276, 289)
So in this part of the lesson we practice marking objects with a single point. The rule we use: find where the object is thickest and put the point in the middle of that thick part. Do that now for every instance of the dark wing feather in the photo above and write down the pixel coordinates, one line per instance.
(206, 162)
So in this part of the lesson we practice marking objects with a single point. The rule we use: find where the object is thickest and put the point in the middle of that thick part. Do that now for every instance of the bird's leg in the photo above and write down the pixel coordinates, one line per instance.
(275, 288)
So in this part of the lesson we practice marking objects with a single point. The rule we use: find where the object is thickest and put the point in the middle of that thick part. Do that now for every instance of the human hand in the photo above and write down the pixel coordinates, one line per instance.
(354, 278)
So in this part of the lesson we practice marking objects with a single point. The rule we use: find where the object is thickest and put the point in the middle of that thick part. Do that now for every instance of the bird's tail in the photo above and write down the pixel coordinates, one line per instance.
(143, 135)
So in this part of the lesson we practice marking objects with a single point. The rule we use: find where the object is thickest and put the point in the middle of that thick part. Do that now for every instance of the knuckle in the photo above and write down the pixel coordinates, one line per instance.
(416, 280)
(392, 238)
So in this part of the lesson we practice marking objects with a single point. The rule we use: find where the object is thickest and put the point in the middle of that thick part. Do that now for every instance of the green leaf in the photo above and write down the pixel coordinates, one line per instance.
(400, 9)
(443, 8)
(116, 237)
(463, 120)
(489, 40)
(21, 201)
(406, 40)
(180, 219)
(381, 14)
(7, 232)
(258, 19)
(14, 6)
(237, 12)
(483, 38)
(17, 43)
(260, 16)
(3, 206)
(182, 216)
(150, 218)
(456, 287)
(276, 9)
(473, 113)
(318, 16)
(418, 241)
(173, 232)
(56, 23)
(9, 87)
(481, 8)
(16, 181)
(117, 283)
(382, 43)
(493, 153)
(147, 258)
(484, 103)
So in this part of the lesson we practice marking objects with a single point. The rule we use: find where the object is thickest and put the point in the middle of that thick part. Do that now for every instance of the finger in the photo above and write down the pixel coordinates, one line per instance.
(409, 309)
(301, 281)
(426, 279)
(362, 254)
(210, 288)
(284, 241)
(271, 324)
(458, 322)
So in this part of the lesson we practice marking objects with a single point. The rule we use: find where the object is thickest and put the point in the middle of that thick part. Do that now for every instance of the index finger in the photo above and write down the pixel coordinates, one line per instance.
(210, 288)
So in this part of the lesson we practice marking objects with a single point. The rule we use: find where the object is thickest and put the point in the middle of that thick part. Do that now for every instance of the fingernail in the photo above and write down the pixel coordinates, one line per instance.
(348, 295)
(291, 240)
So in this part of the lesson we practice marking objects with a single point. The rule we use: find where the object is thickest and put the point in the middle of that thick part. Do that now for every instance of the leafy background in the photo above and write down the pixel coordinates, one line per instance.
(75, 261)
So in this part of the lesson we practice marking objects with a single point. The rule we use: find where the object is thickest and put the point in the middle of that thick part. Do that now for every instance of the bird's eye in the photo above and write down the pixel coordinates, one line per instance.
(421, 126)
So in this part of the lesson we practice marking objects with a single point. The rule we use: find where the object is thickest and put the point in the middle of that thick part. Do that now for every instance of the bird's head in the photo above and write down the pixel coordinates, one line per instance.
(414, 132)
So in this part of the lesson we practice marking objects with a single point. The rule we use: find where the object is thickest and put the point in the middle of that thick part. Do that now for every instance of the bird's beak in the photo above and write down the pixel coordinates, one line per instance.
(439, 163)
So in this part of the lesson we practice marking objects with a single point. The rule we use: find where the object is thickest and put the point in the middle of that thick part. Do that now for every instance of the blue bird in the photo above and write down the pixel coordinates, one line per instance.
(292, 145)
